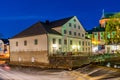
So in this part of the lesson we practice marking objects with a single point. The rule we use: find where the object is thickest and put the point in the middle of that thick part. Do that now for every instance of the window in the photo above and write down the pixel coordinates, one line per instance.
(70, 33)
(78, 27)
(65, 32)
(60, 41)
(83, 43)
(70, 42)
(65, 42)
(79, 42)
(75, 33)
(25, 43)
(78, 34)
(86, 43)
(74, 25)
(16, 43)
(83, 49)
(54, 40)
(82, 35)
(35, 41)
(70, 24)
(74, 20)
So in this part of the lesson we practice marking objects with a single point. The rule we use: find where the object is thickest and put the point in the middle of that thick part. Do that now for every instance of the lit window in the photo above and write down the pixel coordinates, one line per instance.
(35, 41)
(25, 43)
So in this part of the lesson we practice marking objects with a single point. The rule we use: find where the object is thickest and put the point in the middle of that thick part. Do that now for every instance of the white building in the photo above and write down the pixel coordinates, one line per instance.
(42, 39)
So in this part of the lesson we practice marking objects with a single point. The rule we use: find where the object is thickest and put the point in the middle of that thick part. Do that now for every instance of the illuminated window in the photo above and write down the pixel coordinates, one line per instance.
(54, 40)
(25, 43)
(16, 43)
(35, 41)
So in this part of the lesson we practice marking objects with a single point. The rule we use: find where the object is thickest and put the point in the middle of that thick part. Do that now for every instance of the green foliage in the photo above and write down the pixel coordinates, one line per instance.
(113, 25)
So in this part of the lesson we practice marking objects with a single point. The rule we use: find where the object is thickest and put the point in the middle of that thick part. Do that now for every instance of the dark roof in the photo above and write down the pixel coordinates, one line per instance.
(6, 41)
(109, 15)
(96, 29)
(60, 22)
(42, 28)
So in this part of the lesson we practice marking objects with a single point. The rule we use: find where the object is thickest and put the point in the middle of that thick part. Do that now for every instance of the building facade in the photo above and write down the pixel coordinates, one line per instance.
(42, 39)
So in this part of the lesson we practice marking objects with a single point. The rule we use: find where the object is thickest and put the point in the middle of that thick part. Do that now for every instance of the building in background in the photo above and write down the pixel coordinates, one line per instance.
(36, 43)
(97, 35)
(4, 48)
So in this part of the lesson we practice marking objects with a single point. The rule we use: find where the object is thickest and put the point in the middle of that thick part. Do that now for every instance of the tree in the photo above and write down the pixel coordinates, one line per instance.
(112, 29)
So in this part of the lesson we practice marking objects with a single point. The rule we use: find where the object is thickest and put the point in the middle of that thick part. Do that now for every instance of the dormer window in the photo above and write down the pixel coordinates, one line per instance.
(74, 20)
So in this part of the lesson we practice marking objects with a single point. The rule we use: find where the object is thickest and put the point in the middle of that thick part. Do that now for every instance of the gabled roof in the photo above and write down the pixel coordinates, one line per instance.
(42, 28)
(36, 29)
(60, 22)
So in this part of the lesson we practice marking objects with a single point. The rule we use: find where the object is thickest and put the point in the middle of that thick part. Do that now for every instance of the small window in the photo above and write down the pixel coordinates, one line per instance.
(54, 40)
(25, 43)
(86, 43)
(78, 27)
(60, 42)
(82, 35)
(65, 32)
(75, 33)
(16, 43)
(74, 25)
(35, 41)
(78, 34)
(70, 24)
(70, 33)
(83, 49)
(74, 20)
(70, 42)
(65, 42)
(83, 43)
(79, 42)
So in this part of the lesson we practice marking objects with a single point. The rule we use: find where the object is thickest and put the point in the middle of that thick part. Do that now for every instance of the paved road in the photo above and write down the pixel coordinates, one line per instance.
(42, 75)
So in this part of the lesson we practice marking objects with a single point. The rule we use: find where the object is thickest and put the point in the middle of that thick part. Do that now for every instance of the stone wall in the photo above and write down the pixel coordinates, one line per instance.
(29, 57)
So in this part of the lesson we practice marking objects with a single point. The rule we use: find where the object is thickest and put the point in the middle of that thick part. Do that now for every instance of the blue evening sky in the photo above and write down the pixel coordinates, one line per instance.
(17, 15)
